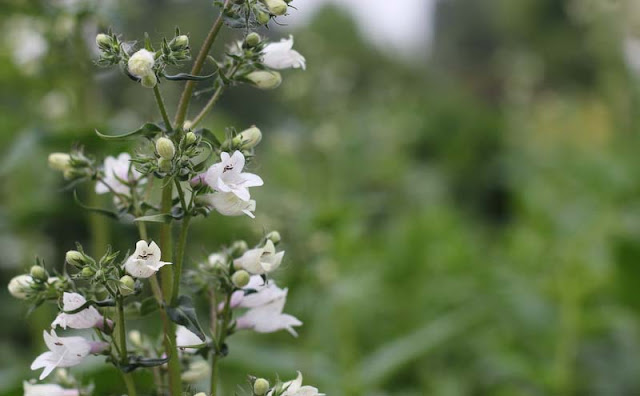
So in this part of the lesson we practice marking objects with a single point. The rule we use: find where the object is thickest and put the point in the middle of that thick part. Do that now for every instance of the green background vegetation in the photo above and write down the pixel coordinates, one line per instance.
(463, 225)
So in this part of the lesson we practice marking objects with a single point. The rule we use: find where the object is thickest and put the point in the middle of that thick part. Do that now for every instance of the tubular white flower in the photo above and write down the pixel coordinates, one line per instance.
(185, 337)
(228, 204)
(47, 390)
(265, 294)
(261, 260)
(117, 175)
(85, 319)
(282, 55)
(141, 63)
(64, 352)
(21, 286)
(295, 388)
(227, 176)
(145, 261)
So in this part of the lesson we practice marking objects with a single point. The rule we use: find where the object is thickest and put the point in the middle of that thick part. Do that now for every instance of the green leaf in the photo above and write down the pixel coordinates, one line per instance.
(104, 212)
(148, 305)
(139, 361)
(184, 314)
(147, 130)
(103, 303)
(209, 136)
(164, 218)
(187, 76)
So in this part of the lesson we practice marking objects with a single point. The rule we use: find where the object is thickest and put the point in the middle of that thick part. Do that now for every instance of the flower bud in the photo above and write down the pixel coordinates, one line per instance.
(260, 387)
(190, 138)
(59, 161)
(247, 139)
(141, 63)
(187, 125)
(103, 41)
(262, 18)
(76, 258)
(87, 272)
(238, 248)
(265, 79)
(149, 80)
(165, 148)
(127, 285)
(21, 286)
(135, 337)
(181, 42)
(276, 7)
(200, 394)
(39, 273)
(164, 164)
(274, 236)
(240, 278)
(252, 39)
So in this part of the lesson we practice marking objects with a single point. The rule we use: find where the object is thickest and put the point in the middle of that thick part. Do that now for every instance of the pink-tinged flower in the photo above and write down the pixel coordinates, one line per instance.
(118, 173)
(265, 306)
(47, 390)
(64, 352)
(227, 176)
(295, 388)
(282, 55)
(260, 260)
(228, 204)
(85, 319)
(145, 261)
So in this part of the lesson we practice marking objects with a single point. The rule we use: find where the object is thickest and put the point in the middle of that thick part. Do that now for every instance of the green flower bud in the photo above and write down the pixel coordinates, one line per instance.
(265, 79)
(165, 148)
(21, 286)
(276, 7)
(247, 139)
(103, 41)
(164, 164)
(260, 387)
(274, 236)
(76, 258)
(59, 161)
(263, 18)
(253, 39)
(127, 285)
(240, 278)
(190, 138)
(149, 80)
(238, 248)
(87, 272)
(39, 273)
(181, 42)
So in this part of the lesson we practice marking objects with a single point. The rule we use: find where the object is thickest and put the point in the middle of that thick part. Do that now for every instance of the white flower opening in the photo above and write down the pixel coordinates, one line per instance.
(228, 204)
(295, 388)
(64, 352)
(145, 261)
(85, 319)
(281, 55)
(227, 177)
(260, 260)
(118, 174)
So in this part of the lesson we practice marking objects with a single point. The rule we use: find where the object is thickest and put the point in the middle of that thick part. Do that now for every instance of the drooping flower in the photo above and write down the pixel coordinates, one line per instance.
(295, 388)
(141, 63)
(118, 172)
(85, 319)
(228, 204)
(281, 55)
(185, 337)
(265, 306)
(47, 390)
(145, 261)
(227, 176)
(260, 260)
(64, 352)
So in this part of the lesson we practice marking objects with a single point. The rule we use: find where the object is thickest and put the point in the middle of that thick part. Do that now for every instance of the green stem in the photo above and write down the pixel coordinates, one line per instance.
(122, 340)
(183, 105)
(131, 386)
(220, 338)
(182, 242)
(166, 272)
(142, 230)
(162, 108)
(207, 108)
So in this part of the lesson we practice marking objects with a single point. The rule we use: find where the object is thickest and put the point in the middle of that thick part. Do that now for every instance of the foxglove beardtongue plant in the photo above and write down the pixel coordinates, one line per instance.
(198, 174)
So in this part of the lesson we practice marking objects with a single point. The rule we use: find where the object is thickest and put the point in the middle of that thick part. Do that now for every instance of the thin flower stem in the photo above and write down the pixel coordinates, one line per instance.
(162, 108)
(183, 105)
(131, 386)
(182, 241)
(207, 108)
(220, 337)
(122, 339)
(183, 202)
(142, 229)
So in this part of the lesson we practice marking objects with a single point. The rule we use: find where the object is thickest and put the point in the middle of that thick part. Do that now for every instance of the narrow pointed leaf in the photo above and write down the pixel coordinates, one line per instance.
(101, 211)
(147, 130)
(187, 76)
(184, 314)
(164, 218)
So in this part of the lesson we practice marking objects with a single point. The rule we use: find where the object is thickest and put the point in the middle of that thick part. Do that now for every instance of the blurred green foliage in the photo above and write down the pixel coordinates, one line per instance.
(466, 225)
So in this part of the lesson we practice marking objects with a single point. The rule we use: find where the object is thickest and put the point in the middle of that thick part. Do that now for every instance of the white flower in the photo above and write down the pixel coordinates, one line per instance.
(141, 63)
(21, 286)
(227, 176)
(118, 172)
(265, 308)
(282, 55)
(64, 352)
(217, 260)
(261, 260)
(47, 390)
(145, 261)
(85, 319)
(185, 337)
(228, 204)
(295, 388)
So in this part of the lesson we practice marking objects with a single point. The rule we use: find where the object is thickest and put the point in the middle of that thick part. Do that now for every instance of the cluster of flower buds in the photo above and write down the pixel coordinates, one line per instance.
(176, 50)
(74, 165)
(255, 12)
(261, 387)
(111, 51)
(37, 286)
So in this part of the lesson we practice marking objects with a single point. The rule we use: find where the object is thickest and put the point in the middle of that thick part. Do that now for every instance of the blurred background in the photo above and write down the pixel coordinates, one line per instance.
(456, 183)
